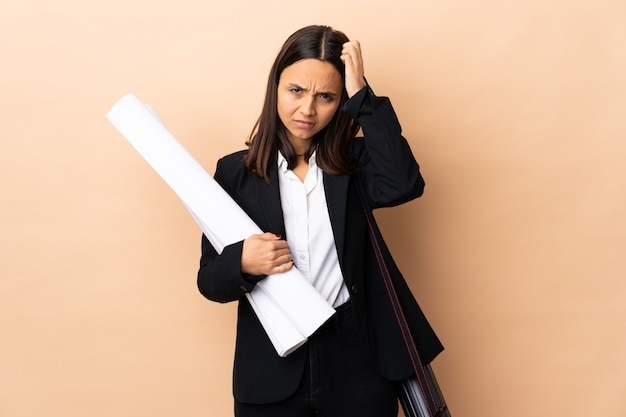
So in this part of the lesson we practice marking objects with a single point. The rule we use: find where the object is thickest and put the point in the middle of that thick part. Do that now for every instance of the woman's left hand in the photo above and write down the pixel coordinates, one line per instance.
(353, 60)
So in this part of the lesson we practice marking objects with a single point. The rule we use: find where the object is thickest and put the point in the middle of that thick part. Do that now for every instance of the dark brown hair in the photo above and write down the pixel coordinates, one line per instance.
(269, 134)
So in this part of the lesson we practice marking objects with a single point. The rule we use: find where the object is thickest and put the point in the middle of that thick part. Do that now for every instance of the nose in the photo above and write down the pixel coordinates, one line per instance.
(307, 107)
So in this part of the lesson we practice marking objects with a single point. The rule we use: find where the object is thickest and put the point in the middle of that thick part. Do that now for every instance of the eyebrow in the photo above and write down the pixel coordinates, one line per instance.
(305, 89)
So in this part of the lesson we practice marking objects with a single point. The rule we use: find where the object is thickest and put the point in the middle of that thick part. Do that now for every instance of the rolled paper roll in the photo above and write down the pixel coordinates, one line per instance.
(287, 305)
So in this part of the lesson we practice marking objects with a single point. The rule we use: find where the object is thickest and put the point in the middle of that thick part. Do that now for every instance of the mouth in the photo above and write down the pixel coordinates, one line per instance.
(304, 124)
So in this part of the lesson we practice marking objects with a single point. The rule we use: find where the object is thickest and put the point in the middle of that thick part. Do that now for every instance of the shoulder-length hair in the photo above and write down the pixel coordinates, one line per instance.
(269, 135)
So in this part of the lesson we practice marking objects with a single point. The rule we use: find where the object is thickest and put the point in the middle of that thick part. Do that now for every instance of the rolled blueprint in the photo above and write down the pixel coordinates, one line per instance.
(287, 305)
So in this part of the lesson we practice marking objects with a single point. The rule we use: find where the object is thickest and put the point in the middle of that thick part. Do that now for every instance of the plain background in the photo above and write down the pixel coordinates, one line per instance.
(516, 252)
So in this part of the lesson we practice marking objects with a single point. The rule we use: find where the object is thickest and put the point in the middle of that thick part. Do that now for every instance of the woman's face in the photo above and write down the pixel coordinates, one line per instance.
(309, 92)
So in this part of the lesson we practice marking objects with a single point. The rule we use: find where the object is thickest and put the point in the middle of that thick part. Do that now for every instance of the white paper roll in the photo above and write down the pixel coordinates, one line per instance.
(288, 306)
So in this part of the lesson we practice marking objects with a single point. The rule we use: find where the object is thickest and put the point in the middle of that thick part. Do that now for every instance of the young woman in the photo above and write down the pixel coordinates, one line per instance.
(310, 183)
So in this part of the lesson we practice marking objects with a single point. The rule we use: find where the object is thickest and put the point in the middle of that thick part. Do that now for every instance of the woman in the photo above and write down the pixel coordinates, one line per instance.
(310, 183)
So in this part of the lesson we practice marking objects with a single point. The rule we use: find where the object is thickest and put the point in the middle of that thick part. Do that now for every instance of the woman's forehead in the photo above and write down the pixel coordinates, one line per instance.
(312, 73)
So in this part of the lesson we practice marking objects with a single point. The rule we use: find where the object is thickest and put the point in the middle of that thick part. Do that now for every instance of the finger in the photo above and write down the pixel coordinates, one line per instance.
(269, 236)
(352, 48)
(280, 246)
(354, 44)
(282, 268)
(351, 54)
(284, 258)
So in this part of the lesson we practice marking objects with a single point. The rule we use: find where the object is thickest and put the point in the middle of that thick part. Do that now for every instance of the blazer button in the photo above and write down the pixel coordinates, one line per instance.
(354, 288)
(243, 288)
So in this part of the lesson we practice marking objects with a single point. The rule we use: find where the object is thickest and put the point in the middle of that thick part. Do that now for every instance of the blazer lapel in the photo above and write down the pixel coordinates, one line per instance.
(336, 188)
(269, 199)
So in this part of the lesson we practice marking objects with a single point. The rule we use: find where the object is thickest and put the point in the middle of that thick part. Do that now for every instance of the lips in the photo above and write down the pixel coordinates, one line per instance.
(303, 124)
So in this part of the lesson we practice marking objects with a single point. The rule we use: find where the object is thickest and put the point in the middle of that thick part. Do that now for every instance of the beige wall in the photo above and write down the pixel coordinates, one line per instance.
(516, 251)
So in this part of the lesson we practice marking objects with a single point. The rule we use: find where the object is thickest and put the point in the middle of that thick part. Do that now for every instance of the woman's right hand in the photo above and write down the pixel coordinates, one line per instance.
(265, 254)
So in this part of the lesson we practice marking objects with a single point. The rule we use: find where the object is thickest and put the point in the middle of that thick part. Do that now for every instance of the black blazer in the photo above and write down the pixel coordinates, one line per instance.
(388, 175)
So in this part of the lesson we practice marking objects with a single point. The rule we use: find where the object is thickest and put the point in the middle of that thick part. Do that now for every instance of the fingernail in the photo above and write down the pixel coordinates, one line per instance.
(278, 236)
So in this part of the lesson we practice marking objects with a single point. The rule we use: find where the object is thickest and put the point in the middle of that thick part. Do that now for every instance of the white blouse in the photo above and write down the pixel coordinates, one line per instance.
(309, 232)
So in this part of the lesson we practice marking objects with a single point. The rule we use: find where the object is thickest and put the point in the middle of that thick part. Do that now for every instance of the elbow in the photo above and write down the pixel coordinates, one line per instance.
(208, 291)
(212, 289)
(414, 188)
(214, 293)
(418, 188)
(222, 287)
(415, 182)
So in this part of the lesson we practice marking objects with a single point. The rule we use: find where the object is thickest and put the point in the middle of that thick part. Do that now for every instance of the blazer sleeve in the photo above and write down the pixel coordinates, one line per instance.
(388, 170)
(219, 277)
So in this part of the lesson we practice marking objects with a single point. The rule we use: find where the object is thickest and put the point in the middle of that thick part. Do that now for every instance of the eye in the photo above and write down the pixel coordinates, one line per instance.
(295, 90)
(326, 97)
